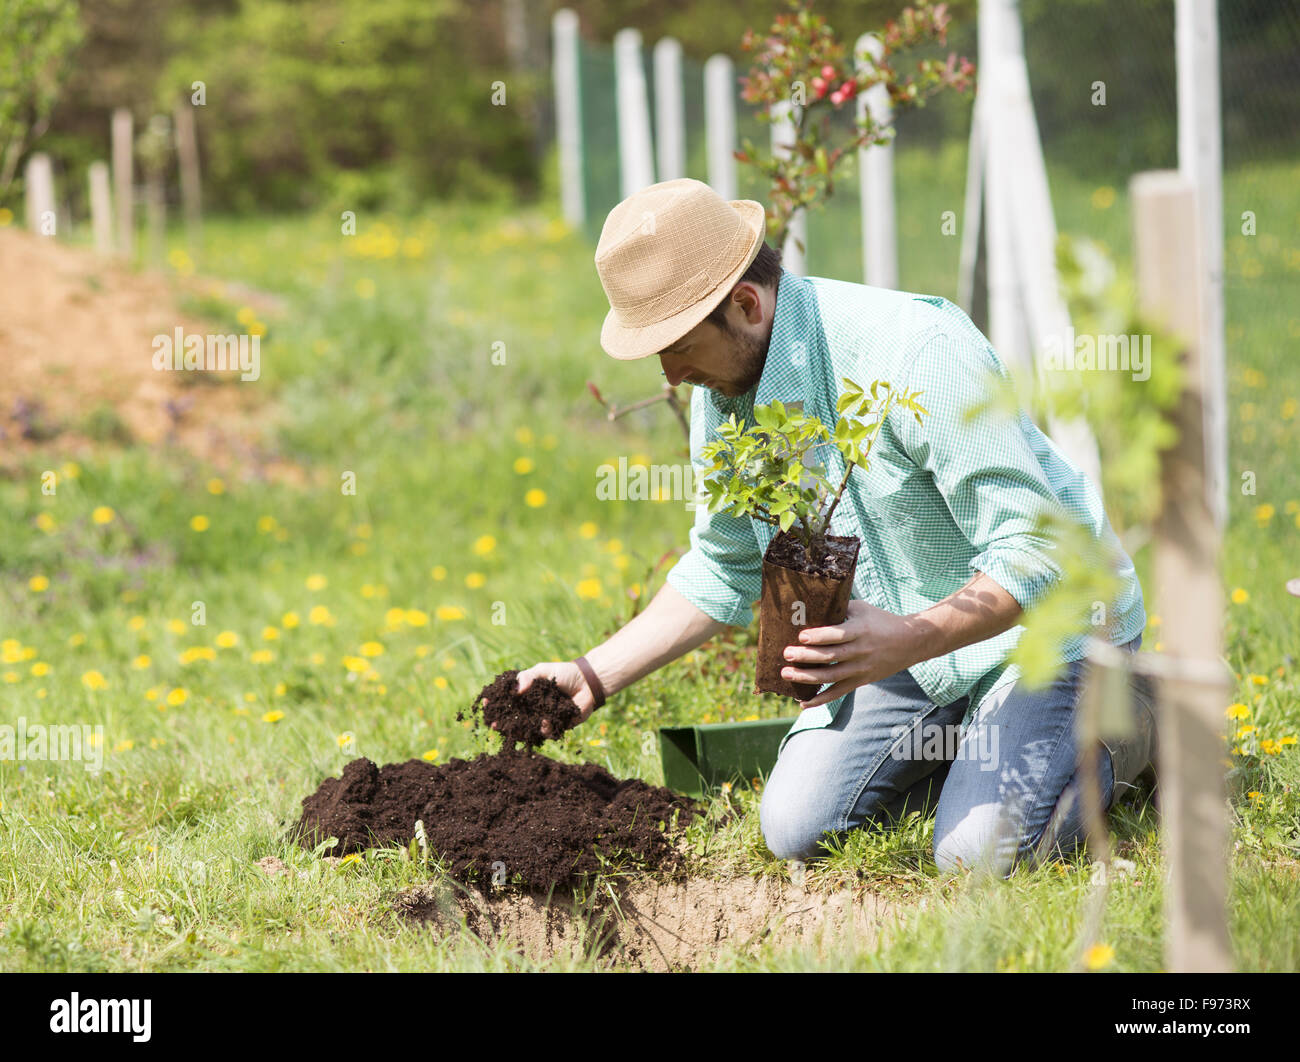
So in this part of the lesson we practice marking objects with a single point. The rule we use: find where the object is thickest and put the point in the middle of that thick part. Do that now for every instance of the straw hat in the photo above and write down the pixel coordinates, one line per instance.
(667, 256)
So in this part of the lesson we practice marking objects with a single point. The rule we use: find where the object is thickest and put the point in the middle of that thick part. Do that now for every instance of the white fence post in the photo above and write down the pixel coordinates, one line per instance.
(635, 152)
(1200, 157)
(124, 180)
(876, 178)
(670, 110)
(38, 184)
(720, 124)
(568, 115)
(101, 207)
(783, 131)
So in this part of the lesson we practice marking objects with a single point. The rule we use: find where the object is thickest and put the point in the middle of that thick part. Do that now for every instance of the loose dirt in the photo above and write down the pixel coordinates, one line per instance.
(518, 717)
(514, 816)
(652, 925)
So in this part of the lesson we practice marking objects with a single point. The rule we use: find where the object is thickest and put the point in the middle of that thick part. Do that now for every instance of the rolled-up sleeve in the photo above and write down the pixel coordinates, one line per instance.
(984, 467)
(721, 574)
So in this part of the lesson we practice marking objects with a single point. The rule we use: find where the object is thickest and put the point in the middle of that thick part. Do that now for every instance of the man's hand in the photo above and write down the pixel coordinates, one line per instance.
(568, 676)
(869, 645)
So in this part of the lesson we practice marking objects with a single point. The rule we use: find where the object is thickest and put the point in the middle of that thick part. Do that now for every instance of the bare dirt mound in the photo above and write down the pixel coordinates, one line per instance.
(513, 816)
(76, 349)
(658, 926)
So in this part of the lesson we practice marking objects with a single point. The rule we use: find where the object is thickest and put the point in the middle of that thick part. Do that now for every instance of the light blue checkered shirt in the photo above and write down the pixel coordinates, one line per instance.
(941, 499)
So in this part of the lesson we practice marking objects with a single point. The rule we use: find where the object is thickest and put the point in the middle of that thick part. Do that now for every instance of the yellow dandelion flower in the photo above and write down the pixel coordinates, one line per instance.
(176, 626)
(475, 579)
(1240, 596)
(38, 584)
(440, 682)
(94, 680)
(11, 676)
(135, 623)
(103, 515)
(178, 696)
(265, 525)
(77, 639)
(141, 662)
(588, 529)
(356, 664)
(40, 668)
(289, 620)
(535, 498)
(273, 716)
(320, 616)
(316, 582)
(261, 656)
(1259, 680)
(1269, 747)
(1290, 739)
(1237, 711)
(372, 649)
(45, 522)
(216, 485)
(614, 545)
(126, 745)
(438, 572)
(589, 589)
(199, 523)
(1098, 956)
(246, 315)
(1264, 513)
(1255, 794)
(448, 663)
(431, 755)
(280, 689)
(448, 613)
(523, 465)
(270, 634)
(484, 544)
(345, 739)
(227, 639)
(523, 435)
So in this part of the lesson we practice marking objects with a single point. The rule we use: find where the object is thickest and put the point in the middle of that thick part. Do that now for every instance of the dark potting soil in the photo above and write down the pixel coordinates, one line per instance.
(518, 716)
(547, 822)
(837, 562)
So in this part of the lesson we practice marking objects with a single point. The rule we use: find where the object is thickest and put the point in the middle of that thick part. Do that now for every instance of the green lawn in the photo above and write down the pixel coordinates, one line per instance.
(441, 360)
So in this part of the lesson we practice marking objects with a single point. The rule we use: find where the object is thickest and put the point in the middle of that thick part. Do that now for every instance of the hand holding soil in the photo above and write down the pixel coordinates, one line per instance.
(541, 710)
(568, 676)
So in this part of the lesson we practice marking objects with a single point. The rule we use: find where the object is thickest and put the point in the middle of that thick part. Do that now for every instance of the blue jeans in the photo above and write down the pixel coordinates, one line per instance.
(891, 750)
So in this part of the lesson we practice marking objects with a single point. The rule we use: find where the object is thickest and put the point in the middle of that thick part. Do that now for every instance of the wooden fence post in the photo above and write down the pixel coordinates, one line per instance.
(876, 179)
(187, 153)
(720, 124)
(670, 113)
(1171, 286)
(124, 181)
(38, 186)
(636, 165)
(101, 207)
(568, 115)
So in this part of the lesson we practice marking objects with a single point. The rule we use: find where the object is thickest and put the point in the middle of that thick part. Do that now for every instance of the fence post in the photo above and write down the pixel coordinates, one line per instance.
(124, 181)
(670, 110)
(38, 187)
(794, 253)
(568, 115)
(1171, 282)
(187, 153)
(720, 124)
(635, 152)
(101, 207)
(876, 178)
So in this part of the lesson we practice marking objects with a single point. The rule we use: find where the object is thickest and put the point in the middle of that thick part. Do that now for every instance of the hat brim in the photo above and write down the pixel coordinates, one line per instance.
(629, 344)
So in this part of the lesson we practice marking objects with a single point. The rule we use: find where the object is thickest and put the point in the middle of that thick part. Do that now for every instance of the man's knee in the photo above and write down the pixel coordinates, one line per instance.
(793, 828)
(983, 839)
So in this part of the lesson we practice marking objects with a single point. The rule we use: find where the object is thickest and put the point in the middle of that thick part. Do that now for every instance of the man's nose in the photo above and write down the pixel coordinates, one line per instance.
(674, 376)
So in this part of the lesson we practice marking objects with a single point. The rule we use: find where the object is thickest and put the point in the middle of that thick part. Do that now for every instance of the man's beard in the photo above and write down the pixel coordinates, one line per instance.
(748, 356)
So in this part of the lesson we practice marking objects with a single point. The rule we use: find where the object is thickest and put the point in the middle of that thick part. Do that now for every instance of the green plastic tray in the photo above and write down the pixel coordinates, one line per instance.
(699, 758)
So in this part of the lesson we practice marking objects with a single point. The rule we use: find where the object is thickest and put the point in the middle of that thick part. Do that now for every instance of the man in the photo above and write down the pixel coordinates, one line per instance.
(951, 548)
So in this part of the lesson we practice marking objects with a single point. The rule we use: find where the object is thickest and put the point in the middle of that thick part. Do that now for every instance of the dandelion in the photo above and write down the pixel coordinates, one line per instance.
(1255, 794)
(440, 682)
(475, 579)
(265, 525)
(45, 522)
(1237, 711)
(227, 639)
(77, 639)
(176, 626)
(320, 616)
(197, 652)
(1259, 680)
(40, 668)
(431, 755)
(349, 859)
(273, 716)
(141, 662)
(270, 634)
(38, 584)
(94, 680)
(1269, 747)
(588, 589)
(316, 582)
(484, 544)
(261, 656)
(535, 498)
(416, 618)
(438, 572)
(372, 649)
(246, 315)
(178, 696)
(1264, 513)
(345, 740)
(1240, 596)
(523, 435)
(356, 664)
(523, 465)
(199, 523)
(447, 613)
(1097, 956)
(103, 515)
(448, 664)
(12, 676)
(135, 623)
(289, 620)
(216, 486)
(588, 529)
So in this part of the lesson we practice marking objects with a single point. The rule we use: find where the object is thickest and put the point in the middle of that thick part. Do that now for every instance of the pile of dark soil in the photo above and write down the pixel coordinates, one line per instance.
(546, 823)
(517, 717)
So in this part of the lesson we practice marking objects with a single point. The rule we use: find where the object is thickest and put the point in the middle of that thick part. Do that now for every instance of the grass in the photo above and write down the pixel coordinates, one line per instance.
(440, 362)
